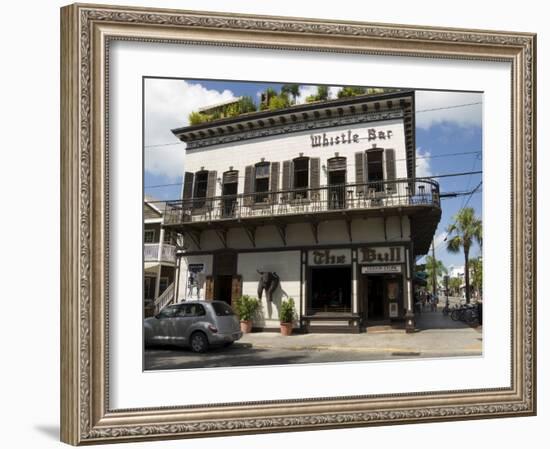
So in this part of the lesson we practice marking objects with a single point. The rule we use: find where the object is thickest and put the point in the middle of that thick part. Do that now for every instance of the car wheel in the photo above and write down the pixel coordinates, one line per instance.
(199, 342)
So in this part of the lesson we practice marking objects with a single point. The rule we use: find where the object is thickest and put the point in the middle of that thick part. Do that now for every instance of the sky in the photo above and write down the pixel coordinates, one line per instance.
(448, 140)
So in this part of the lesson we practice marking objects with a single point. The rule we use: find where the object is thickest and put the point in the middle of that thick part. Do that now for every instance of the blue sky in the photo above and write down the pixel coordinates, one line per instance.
(446, 123)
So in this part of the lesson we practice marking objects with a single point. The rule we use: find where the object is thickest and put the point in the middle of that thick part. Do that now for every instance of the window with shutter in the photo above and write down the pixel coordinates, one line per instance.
(201, 187)
(187, 187)
(375, 169)
(300, 177)
(229, 191)
(261, 182)
(337, 182)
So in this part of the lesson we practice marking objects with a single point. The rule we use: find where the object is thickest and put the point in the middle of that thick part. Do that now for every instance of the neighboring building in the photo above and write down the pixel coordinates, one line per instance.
(159, 258)
(324, 195)
(456, 271)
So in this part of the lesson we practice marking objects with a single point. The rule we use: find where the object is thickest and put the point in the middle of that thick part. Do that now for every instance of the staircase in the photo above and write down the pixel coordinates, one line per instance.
(165, 299)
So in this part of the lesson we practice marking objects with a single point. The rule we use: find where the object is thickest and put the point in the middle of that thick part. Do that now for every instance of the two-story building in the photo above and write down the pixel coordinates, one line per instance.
(324, 195)
(159, 258)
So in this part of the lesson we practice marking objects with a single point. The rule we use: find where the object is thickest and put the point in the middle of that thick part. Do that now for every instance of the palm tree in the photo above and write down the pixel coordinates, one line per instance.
(434, 265)
(466, 229)
(293, 90)
(476, 265)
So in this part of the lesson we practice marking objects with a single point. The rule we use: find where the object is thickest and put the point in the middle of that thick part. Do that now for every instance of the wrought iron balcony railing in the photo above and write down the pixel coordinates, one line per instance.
(323, 199)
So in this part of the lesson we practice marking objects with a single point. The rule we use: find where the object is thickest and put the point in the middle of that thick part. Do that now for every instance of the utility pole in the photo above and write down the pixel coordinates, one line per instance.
(434, 270)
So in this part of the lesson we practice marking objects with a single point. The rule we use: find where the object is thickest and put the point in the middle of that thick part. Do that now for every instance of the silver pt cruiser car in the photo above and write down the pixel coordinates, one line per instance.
(196, 324)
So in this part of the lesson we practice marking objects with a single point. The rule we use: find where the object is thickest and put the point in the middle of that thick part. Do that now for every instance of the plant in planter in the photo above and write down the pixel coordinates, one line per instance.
(286, 316)
(245, 307)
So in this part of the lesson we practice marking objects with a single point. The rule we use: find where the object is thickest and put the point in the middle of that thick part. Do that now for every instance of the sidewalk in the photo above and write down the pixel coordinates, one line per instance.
(435, 334)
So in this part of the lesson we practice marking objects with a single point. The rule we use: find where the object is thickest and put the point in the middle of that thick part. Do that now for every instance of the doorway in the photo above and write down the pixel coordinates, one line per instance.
(375, 298)
(337, 189)
(222, 288)
(225, 267)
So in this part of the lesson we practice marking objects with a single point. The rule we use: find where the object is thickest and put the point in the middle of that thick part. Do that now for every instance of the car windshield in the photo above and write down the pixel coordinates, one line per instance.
(222, 309)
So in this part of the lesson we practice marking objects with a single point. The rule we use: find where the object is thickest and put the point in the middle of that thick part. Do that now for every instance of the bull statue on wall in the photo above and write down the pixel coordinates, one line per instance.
(269, 281)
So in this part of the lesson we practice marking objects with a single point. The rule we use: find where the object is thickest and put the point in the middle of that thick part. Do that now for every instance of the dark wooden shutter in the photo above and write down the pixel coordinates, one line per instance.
(287, 178)
(236, 288)
(188, 186)
(211, 186)
(274, 180)
(209, 288)
(248, 179)
(315, 177)
(390, 169)
(360, 172)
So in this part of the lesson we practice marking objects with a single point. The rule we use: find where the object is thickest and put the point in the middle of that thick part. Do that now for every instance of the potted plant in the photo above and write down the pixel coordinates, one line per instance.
(286, 316)
(245, 307)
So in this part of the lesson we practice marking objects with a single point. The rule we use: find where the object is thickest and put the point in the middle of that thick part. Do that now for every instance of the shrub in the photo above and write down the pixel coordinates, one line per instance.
(287, 311)
(246, 306)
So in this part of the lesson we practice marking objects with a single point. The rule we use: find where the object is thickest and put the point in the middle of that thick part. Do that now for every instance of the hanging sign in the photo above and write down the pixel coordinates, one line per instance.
(375, 269)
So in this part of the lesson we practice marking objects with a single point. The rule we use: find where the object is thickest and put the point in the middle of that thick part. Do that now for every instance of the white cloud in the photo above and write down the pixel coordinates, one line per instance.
(333, 91)
(442, 102)
(423, 167)
(167, 105)
(305, 91)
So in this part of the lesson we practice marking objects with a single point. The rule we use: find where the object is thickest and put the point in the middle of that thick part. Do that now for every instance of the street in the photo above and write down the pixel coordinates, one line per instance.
(436, 336)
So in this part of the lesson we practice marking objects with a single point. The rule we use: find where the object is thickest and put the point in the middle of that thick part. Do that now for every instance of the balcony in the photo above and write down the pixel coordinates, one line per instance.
(157, 253)
(418, 199)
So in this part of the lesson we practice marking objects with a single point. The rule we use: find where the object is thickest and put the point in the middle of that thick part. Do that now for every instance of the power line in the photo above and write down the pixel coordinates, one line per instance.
(449, 107)
(463, 207)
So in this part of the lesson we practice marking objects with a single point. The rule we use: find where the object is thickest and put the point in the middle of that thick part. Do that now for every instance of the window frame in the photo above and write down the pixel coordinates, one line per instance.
(263, 194)
(149, 231)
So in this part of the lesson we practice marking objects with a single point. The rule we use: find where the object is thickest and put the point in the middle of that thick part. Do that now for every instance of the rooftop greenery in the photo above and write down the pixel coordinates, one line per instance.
(271, 100)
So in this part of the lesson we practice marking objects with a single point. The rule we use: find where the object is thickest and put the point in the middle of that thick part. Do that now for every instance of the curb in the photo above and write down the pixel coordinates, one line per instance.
(371, 350)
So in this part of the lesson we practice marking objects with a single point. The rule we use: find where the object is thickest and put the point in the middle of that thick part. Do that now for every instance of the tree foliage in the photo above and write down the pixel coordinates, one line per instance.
(321, 95)
(466, 229)
(431, 266)
(291, 89)
(476, 267)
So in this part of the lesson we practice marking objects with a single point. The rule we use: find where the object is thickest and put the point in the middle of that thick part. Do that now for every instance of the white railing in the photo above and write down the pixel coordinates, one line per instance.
(165, 298)
(155, 252)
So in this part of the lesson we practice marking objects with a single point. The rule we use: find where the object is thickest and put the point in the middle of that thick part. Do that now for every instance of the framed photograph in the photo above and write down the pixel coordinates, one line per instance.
(276, 224)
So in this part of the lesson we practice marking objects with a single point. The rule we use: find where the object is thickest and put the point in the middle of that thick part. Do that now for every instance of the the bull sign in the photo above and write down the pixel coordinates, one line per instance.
(269, 281)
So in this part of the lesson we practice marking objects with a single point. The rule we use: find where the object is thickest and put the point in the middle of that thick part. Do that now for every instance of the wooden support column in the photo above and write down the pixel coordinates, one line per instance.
(251, 232)
(348, 227)
(315, 230)
(282, 231)
(222, 235)
(195, 237)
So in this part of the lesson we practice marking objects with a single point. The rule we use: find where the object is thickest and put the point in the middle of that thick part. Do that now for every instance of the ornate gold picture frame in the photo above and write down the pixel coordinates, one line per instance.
(87, 32)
